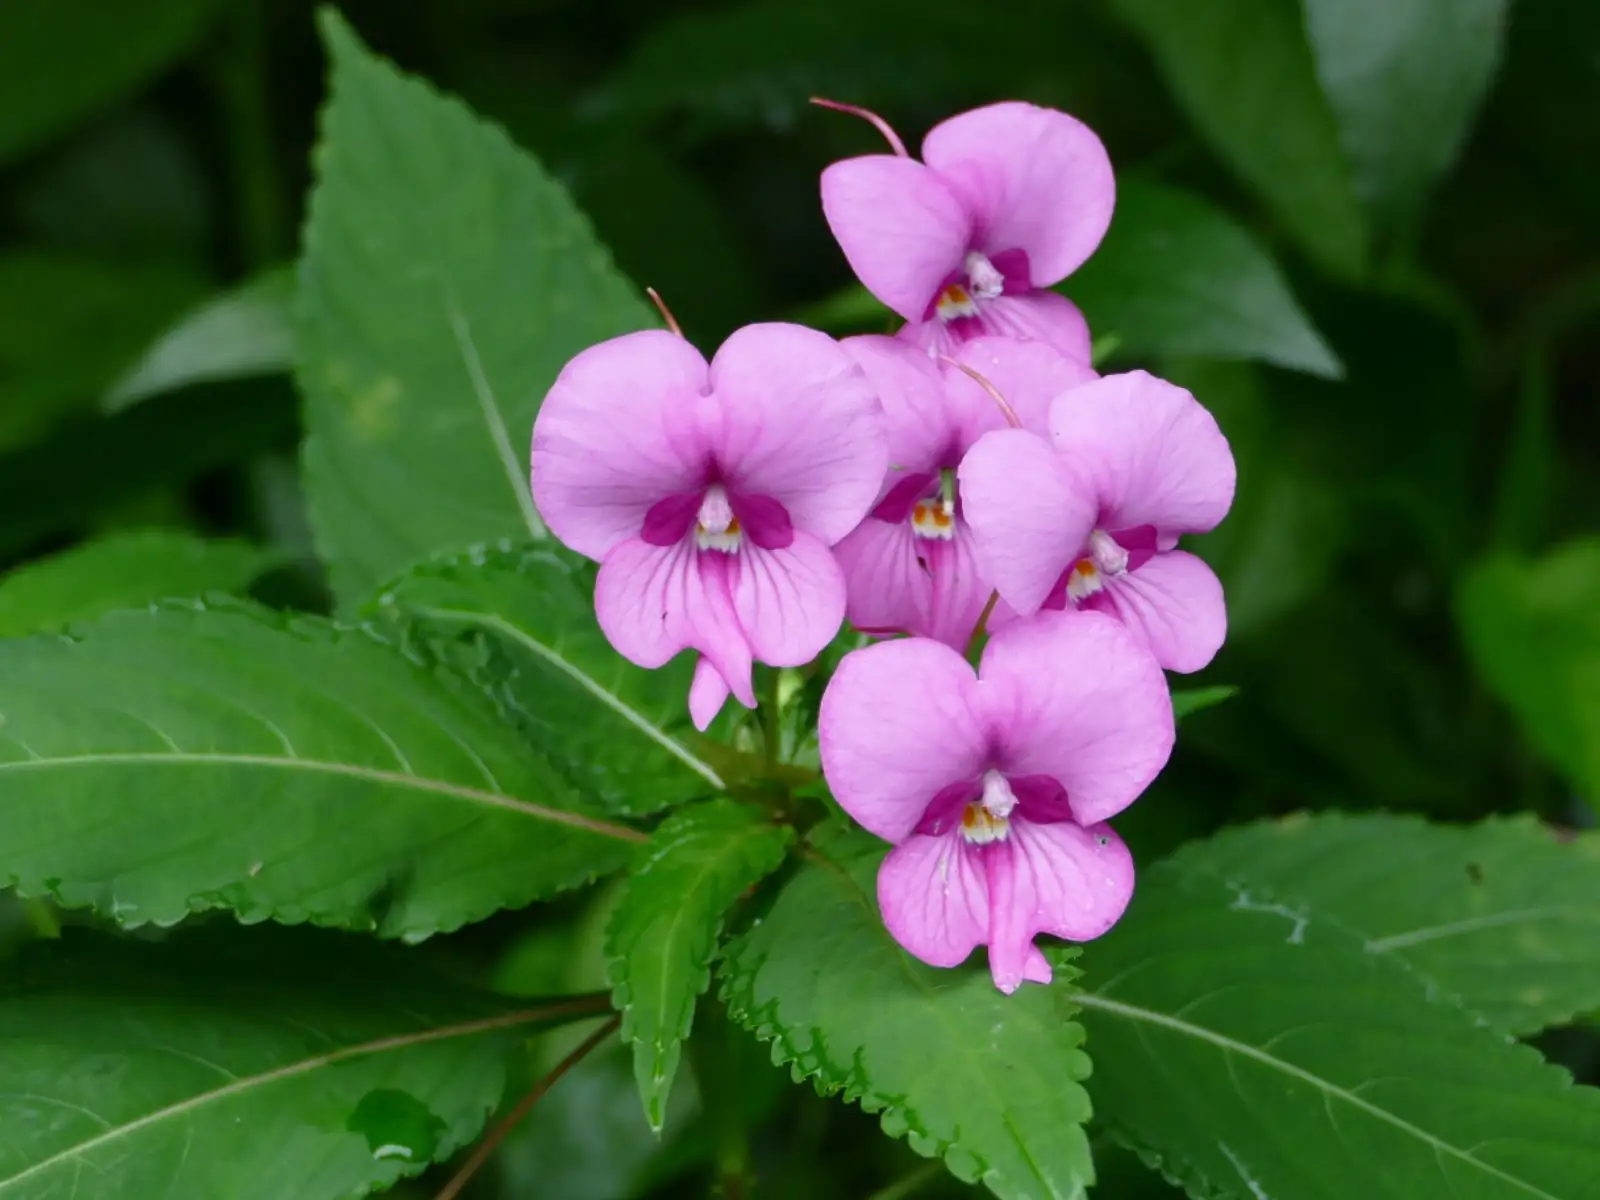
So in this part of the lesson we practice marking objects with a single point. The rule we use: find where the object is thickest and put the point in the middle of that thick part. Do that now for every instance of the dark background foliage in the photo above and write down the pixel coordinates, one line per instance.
(1397, 644)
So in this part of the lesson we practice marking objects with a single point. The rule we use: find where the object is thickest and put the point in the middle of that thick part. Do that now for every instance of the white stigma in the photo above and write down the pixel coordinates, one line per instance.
(987, 283)
(1105, 560)
(1111, 558)
(987, 819)
(715, 526)
(998, 798)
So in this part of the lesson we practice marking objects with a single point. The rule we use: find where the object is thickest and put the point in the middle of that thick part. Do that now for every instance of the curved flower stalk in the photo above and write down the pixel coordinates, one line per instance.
(995, 786)
(711, 493)
(909, 566)
(1008, 201)
(1132, 462)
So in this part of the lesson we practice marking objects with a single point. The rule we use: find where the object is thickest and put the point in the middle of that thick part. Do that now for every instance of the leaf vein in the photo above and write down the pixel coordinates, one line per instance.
(1330, 1090)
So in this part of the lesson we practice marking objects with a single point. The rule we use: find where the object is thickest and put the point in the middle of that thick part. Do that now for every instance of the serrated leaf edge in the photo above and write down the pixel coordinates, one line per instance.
(277, 1074)
(700, 979)
(315, 630)
(896, 1120)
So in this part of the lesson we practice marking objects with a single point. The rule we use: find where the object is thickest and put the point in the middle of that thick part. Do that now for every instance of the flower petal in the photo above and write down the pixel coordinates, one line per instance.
(654, 601)
(1035, 968)
(790, 602)
(911, 390)
(799, 423)
(1036, 315)
(1174, 605)
(896, 727)
(617, 432)
(886, 587)
(901, 228)
(1155, 456)
(1032, 178)
(1059, 879)
(1073, 695)
(959, 590)
(707, 694)
(1029, 515)
(934, 898)
(1028, 376)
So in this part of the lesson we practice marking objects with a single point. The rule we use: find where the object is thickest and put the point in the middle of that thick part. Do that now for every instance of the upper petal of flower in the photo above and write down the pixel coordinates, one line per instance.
(1155, 455)
(789, 601)
(1032, 178)
(618, 431)
(896, 728)
(1074, 696)
(1173, 603)
(934, 898)
(798, 421)
(901, 228)
(911, 390)
(1060, 879)
(654, 601)
(1027, 375)
(1029, 514)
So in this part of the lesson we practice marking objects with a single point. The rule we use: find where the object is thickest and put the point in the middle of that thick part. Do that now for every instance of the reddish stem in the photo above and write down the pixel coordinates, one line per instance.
(877, 122)
(666, 313)
(512, 1119)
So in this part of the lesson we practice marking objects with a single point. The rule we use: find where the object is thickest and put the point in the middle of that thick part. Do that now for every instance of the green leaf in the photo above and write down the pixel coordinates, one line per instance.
(1176, 276)
(61, 61)
(1188, 701)
(72, 481)
(1502, 915)
(123, 570)
(663, 933)
(620, 732)
(133, 1071)
(68, 324)
(1255, 1047)
(1243, 72)
(445, 282)
(1405, 78)
(240, 333)
(165, 762)
(1532, 628)
(758, 64)
(991, 1083)
(1282, 540)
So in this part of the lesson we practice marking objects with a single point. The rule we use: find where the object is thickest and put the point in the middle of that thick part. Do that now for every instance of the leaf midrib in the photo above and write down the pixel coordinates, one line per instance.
(493, 418)
(1330, 1089)
(861, 898)
(350, 770)
(583, 679)
(587, 1006)
(677, 920)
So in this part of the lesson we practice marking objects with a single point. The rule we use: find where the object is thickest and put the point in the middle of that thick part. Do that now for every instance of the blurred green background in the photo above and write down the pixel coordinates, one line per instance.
(1366, 234)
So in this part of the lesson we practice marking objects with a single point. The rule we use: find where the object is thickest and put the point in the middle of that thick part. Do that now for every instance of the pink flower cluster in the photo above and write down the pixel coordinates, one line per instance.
(972, 471)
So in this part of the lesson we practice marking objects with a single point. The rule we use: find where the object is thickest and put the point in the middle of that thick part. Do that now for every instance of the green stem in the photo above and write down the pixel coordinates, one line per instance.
(771, 713)
(241, 80)
(901, 1188)
(982, 626)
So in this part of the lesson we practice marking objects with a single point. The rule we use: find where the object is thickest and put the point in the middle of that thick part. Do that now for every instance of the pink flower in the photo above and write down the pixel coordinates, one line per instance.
(1094, 522)
(1009, 200)
(909, 566)
(711, 493)
(994, 787)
